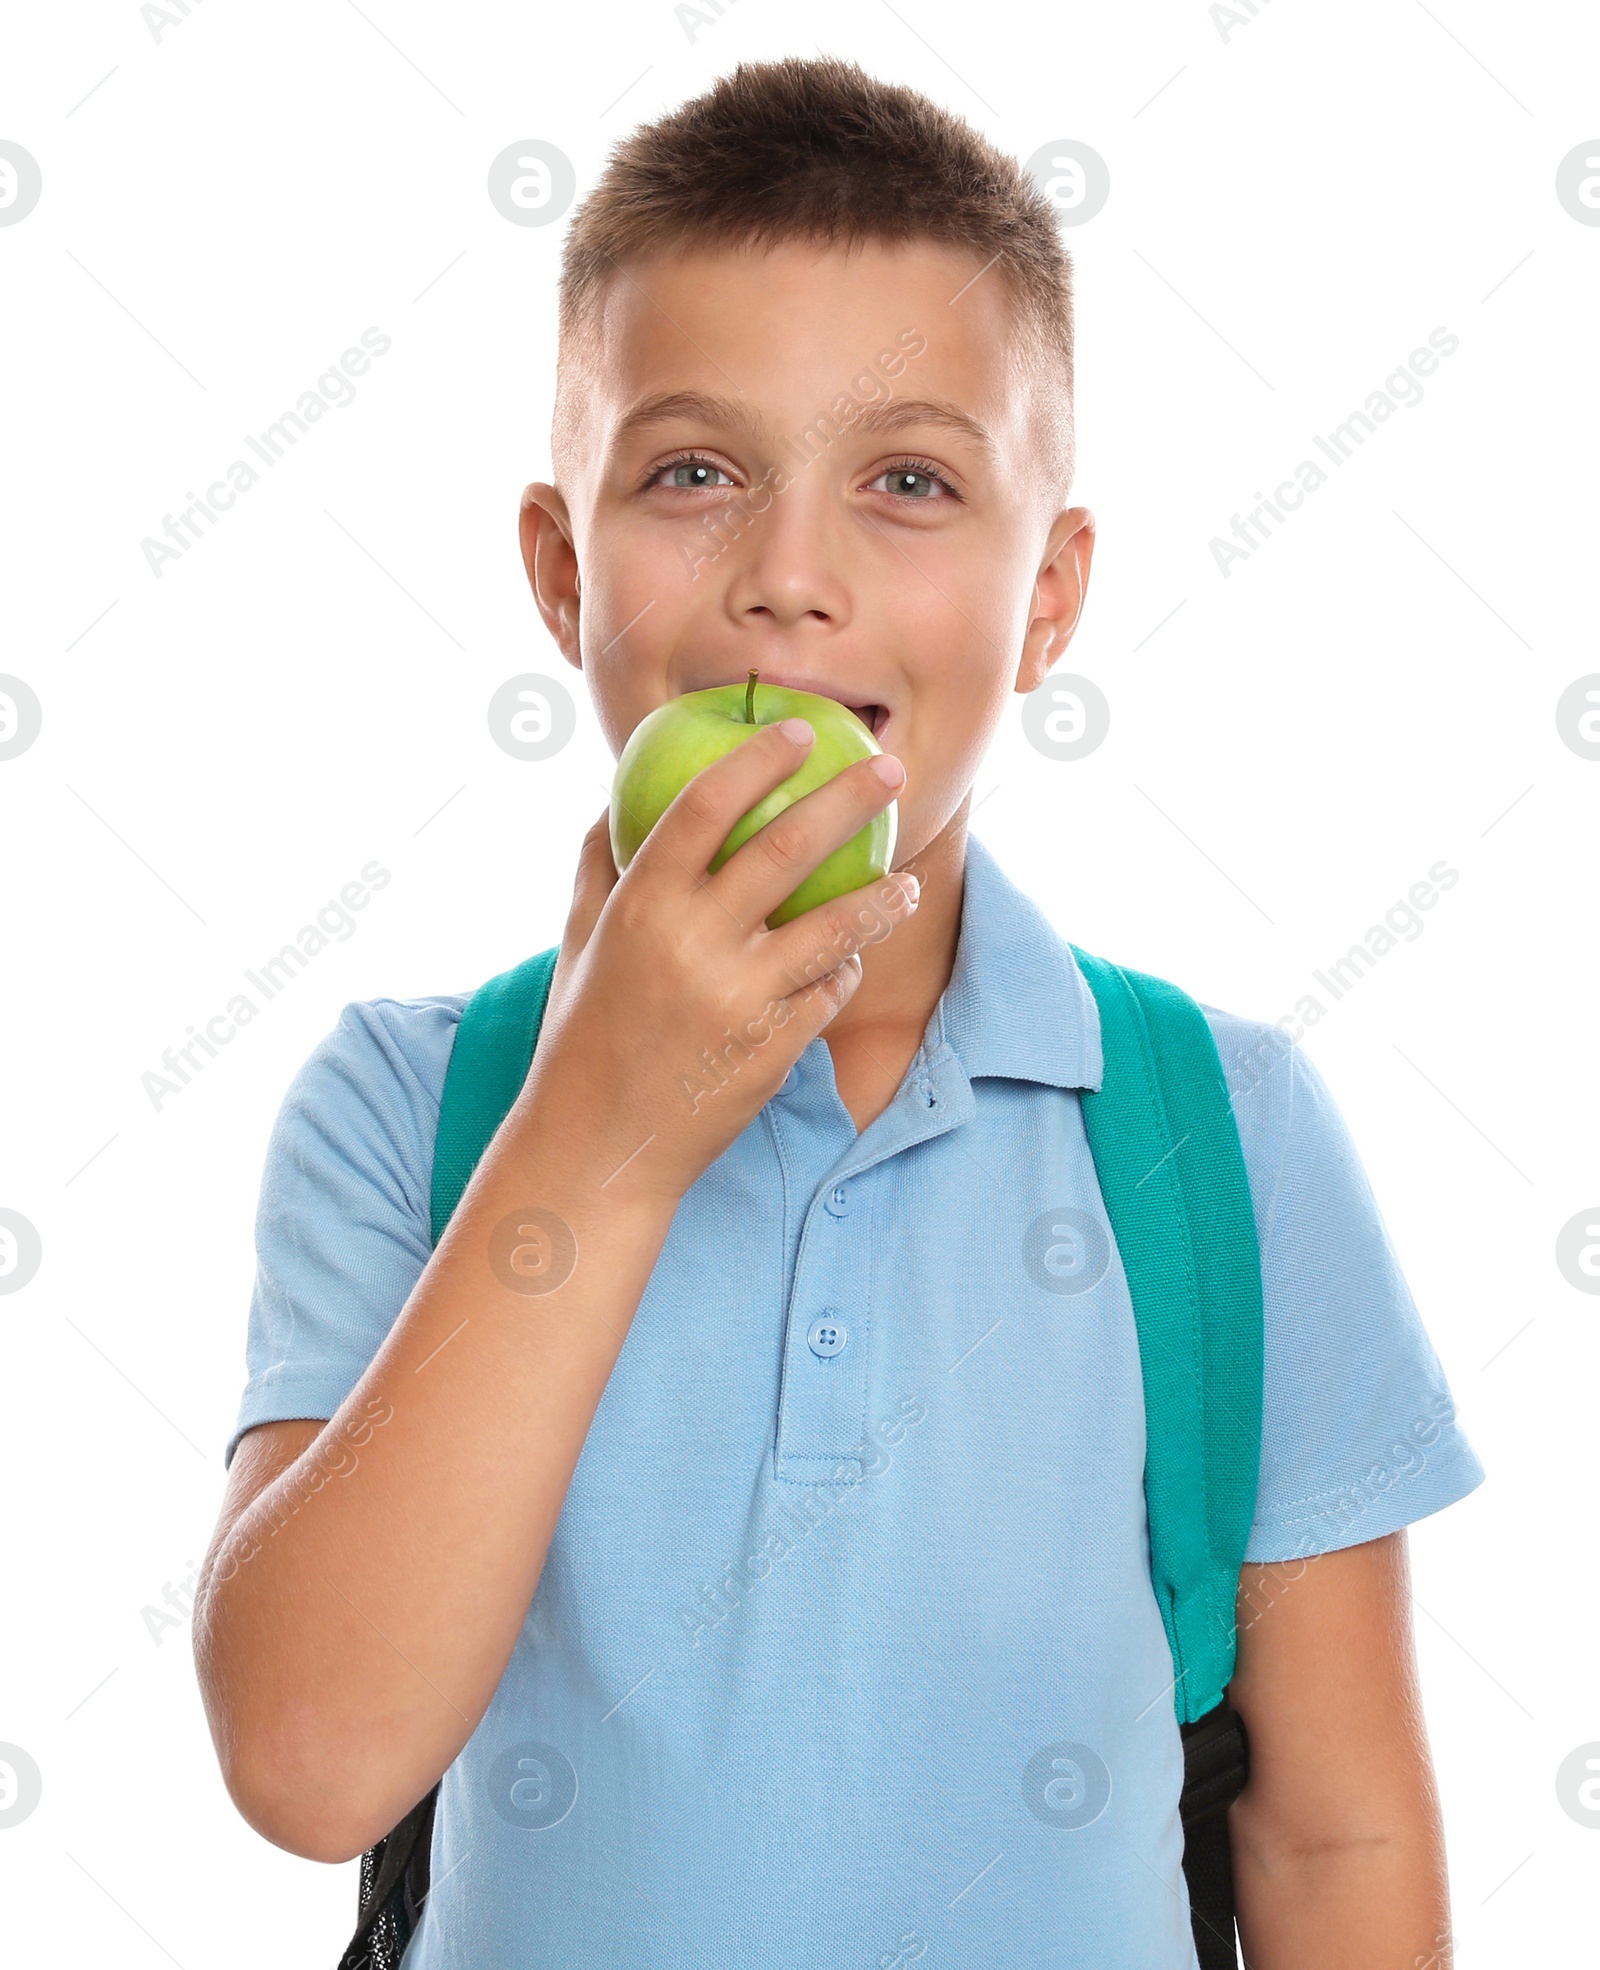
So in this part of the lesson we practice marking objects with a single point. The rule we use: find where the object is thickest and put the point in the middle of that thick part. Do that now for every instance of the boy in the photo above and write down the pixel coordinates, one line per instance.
(702, 1695)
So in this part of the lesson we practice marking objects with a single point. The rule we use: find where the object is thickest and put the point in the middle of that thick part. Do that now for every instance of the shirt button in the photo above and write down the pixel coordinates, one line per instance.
(836, 1203)
(827, 1336)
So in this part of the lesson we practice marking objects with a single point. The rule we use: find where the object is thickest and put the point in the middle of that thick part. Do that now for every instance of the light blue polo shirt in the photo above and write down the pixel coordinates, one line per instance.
(845, 1652)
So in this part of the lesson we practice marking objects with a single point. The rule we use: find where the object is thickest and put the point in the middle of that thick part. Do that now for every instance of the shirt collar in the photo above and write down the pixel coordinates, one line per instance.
(1016, 1004)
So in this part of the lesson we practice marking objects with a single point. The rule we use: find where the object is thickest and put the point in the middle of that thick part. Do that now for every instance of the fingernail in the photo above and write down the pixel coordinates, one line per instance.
(796, 731)
(909, 883)
(888, 769)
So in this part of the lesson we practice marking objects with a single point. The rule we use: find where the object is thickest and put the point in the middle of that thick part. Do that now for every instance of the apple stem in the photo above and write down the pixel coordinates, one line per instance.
(749, 699)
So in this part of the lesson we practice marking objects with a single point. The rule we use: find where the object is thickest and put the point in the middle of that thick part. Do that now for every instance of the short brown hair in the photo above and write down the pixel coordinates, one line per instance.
(819, 150)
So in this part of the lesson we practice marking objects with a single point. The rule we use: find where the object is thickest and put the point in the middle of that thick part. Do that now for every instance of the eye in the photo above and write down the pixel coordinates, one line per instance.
(914, 480)
(690, 473)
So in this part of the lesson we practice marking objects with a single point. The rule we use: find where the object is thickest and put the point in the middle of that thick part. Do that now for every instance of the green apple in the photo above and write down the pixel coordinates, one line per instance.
(682, 737)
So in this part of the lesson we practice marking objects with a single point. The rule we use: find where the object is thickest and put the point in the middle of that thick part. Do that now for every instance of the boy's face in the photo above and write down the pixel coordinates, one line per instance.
(826, 465)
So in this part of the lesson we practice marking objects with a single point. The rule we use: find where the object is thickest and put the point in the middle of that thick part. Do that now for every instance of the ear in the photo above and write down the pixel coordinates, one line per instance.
(548, 554)
(1057, 594)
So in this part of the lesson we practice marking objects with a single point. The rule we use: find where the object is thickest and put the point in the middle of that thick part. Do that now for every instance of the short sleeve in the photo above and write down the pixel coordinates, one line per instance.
(1359, 1433)
(343, 1226)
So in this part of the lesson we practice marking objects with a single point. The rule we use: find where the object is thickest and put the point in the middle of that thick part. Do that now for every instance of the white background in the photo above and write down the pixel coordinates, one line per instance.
(1295, 204)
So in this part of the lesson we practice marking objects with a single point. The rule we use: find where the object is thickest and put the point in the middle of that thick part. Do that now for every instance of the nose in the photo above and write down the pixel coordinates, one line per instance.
(789, 565)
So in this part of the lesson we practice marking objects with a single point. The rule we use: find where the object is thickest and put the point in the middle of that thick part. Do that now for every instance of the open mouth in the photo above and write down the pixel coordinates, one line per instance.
(876, 718)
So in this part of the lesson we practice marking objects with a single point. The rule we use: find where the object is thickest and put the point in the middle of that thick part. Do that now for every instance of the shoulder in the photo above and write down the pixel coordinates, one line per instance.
(404, 1040)
(1251, 1050)
(1303, 1163)
(1278, 1101)
(370, 1088)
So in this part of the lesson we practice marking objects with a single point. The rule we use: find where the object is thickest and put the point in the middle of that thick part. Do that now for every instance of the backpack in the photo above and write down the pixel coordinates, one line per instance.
(1172, 1175)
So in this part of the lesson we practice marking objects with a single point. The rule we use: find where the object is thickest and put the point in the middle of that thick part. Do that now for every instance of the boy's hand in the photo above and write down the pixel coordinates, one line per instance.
(674, 1013)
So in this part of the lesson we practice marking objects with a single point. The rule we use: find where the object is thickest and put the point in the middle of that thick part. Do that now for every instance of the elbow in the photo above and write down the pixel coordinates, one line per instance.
(1277, 1842)
(304, 1797)
(296, 1811)
(280, 1768)
(284, 1785)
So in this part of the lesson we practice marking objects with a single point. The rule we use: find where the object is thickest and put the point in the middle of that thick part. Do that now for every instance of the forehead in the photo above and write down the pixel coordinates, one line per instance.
(788, 327)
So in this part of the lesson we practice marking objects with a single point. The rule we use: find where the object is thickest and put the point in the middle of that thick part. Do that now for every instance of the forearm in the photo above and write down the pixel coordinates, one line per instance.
(353, 1625)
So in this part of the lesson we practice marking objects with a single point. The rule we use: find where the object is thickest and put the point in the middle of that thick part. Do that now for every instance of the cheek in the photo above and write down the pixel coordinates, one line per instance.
(652, 594)
(959, 603)
(630, 620)
(960, 693)
(630, 566)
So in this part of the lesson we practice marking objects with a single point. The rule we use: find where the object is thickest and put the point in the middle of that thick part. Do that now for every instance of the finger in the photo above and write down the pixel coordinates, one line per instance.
(778, 857)
(815, 1005)
(681, 844)
(595, 879)
(806, 949)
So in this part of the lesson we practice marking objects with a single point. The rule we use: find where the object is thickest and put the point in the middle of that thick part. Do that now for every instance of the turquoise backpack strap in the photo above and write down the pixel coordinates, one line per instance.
(488, 1064)
(1172, 1174)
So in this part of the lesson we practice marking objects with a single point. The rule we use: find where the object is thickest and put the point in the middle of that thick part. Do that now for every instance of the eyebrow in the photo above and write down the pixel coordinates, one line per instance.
(695, 406)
